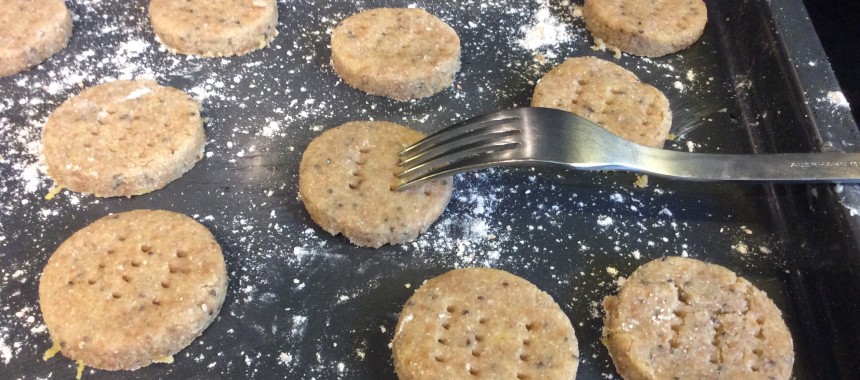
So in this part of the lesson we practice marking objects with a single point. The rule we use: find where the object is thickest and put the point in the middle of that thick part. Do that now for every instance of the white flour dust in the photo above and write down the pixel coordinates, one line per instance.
(546, 30)
(836, 99)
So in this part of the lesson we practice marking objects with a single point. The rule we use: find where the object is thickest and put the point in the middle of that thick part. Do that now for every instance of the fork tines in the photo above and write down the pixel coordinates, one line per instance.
(460, 146)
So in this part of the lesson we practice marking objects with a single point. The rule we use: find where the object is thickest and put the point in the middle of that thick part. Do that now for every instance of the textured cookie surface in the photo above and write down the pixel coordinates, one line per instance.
(679, 318)
(646, 28)
(483, 323)
(132, 288)
(123, 138)
(214, 28)
(395, 52)
(30, 32)
(609, 95)
(346, 178)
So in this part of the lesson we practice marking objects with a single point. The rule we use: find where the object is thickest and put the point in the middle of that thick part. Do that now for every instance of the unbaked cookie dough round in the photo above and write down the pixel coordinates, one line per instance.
(210, 28)
(123, 138)
(30, 32)
(646, 28)
(680, 318)
(132, 288)
(401, 53)
(483, 323)
(608, 95)
(346, 181)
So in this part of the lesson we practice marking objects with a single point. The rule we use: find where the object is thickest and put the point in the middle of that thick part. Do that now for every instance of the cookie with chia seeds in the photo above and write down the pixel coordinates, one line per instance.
(123, 138)
(483, 323)
(31, 32)
(132, 288)
(214, 28)
(396, 52)
(680, 318)
(646, 28)
(608, 95)
(346, 181)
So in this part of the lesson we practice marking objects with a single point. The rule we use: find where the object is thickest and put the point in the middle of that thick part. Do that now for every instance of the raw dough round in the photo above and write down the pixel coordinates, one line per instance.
(608, 95)
(648, 28)
(123, 138)
(346, 178)
(483, 323)
(211, 28)
(132, 288)
(30, 32)
(679, 318)
(396, 52)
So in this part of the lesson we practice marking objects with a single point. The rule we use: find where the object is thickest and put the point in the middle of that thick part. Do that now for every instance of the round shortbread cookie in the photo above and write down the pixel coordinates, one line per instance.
(646, 28)
(31, 32)
(214, 28)
(346, 178)
(123, 138)
(132, 288)
(608, 95)
(483, 323)
(679, 318)
(396, 52)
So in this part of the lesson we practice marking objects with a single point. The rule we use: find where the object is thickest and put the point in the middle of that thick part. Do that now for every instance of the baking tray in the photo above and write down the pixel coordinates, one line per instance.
(303, 304)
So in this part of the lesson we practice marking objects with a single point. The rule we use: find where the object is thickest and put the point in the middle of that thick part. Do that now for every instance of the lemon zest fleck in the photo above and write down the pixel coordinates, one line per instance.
(53, 192)
(51, 351)
(80, 372)
(163, 359)
(641, 181)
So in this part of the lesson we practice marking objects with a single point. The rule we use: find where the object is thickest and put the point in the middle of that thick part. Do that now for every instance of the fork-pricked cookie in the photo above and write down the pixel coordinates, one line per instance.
(483, 323)
(646, 28)
(346, 181)
(608, 95)
(123, 138)
(396, 52)
(132, 288)
(680, 318)
(209, 28)
(30, 32)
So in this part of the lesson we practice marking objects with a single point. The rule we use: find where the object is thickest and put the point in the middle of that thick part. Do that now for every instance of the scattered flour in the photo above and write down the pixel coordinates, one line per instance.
(285, 358)
(837, 99)
(545, 30)
(299, 324)
(6, 354)
(604, 221)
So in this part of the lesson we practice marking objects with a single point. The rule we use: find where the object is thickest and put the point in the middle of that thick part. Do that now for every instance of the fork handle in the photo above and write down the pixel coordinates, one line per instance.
(780, 167)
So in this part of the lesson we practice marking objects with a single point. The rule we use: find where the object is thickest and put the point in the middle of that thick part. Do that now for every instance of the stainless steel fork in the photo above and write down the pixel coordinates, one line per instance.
(543, 136)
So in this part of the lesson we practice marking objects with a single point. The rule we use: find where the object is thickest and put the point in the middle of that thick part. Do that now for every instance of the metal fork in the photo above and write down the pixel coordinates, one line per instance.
(543, 136)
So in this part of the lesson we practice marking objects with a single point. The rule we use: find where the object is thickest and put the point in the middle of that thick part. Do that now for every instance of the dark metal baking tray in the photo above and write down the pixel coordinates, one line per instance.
(303, 304)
